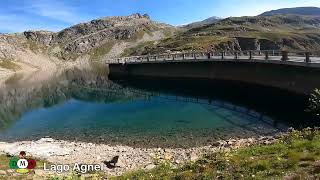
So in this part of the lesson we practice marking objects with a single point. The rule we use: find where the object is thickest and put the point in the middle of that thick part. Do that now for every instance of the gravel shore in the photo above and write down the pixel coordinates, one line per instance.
(130, 159)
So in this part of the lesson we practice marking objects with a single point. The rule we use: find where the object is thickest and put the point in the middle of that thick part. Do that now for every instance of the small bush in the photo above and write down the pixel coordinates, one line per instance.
(294, 155)
(314, 106)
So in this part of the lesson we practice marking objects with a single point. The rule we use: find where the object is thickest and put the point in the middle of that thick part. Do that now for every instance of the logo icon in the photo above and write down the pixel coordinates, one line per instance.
(22, 164)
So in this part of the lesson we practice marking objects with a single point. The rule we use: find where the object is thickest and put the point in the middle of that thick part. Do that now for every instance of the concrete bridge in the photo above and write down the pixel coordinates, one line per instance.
(293, 71)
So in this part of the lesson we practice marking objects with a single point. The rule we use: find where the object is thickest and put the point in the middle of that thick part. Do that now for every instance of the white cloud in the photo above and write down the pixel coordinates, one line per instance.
(56, 10)
(39, 15)
(11, 23)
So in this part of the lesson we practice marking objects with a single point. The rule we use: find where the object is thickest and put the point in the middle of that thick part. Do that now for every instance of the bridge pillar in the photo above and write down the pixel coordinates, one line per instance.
(285, 55)
(222, 55)
(308, 60)
(236, 55)
(266, 55)
(209, 55)
(183, 56)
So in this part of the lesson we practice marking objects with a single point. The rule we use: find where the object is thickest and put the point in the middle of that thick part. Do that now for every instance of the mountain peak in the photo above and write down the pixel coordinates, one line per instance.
(138, 16)
(207, 21)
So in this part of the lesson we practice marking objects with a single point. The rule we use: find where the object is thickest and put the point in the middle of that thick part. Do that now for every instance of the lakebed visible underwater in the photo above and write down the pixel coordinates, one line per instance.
(87, 106)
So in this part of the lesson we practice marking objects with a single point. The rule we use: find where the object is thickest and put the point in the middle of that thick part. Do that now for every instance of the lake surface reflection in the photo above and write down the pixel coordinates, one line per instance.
(86, 106)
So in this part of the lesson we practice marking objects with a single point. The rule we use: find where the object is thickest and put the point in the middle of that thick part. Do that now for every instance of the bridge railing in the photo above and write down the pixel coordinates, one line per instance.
(272, 55)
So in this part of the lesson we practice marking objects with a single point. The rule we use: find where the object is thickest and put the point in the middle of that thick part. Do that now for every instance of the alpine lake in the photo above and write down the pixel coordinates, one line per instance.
(87, 106)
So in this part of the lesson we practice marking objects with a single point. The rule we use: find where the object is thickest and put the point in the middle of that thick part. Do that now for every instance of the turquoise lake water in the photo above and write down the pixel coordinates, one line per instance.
(98, 110)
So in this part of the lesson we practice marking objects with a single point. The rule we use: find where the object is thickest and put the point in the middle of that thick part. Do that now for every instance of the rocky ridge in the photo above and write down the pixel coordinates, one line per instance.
(95, 40)
(278, 32)
(85, 37)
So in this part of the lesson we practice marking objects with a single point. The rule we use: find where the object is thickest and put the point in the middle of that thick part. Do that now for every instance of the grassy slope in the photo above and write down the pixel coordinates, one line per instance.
(9, 64)
(297, 156)
(300, 29)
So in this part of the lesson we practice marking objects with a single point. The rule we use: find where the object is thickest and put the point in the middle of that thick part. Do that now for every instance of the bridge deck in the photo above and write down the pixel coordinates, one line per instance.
(298, 58)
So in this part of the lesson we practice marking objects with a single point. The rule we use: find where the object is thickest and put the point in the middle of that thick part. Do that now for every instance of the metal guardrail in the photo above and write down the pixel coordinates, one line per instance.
(271, 55)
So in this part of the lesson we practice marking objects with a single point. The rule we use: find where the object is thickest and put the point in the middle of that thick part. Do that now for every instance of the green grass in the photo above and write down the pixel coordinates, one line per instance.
(296, 155)
(221, 35)
(167, 32)
(139, 49)
(98, 53)
(35, 46)
(139, 35)
(185, 43)
(9, 64)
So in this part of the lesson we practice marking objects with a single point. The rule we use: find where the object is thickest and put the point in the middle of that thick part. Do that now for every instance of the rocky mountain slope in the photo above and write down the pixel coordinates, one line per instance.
(279, 32)
(305, 11)
(107, 37)
(137, 34)
(95, 40)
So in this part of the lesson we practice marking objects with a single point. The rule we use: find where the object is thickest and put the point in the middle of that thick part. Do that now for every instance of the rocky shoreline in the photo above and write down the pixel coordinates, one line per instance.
(130, 159)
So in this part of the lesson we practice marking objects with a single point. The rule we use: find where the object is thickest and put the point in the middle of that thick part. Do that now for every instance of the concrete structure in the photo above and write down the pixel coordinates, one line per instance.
(298, 73)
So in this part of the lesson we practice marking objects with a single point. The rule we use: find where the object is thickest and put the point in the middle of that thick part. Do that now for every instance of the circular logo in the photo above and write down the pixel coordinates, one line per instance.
(22, 163)
(13, 163)
(31, 164)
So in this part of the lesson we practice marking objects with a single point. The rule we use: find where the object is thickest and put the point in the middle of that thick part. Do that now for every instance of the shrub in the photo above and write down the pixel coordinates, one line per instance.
(314, 106)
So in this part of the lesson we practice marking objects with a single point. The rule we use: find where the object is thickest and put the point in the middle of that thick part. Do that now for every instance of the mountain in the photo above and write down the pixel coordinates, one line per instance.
(100, 38)
(109, 37)
(279, 32)
(113, 37)
(305, 11)
(96, 40)
(207, 21)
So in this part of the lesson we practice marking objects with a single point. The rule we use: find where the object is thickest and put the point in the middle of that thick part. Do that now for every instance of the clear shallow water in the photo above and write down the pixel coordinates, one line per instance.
(94, 109)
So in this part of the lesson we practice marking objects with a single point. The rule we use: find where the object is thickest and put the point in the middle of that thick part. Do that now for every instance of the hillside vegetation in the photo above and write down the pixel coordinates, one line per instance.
(290, 32)
(295, 156)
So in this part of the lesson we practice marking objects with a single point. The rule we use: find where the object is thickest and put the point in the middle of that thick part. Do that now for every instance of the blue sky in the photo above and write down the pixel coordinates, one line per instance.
(54, 15)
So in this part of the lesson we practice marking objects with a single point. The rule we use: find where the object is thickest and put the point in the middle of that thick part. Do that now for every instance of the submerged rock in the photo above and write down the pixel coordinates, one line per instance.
(150, 166)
